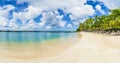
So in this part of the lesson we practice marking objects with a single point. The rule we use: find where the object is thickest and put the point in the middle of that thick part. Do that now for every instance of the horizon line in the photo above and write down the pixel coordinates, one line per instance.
(31, 31)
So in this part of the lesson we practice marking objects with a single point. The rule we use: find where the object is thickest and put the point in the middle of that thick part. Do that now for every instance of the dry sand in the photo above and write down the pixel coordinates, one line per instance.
(91, 48)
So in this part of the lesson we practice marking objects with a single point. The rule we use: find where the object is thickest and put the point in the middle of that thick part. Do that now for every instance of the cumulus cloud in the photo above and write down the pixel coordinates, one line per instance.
(3, 21)
(112, 4)
(4, 11)
(69, 26)
(75, 7)
(51, 18)
(31, 25)
(54, 4)
(29, 13)
(4, 15)
(82, 12)
(98, 7)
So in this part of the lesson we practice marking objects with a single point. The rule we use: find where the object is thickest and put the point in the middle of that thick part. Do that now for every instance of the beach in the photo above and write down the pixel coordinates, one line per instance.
(90, 48)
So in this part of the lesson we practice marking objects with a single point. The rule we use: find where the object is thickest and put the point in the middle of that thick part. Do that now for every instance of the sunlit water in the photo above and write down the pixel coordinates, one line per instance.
(25, 45)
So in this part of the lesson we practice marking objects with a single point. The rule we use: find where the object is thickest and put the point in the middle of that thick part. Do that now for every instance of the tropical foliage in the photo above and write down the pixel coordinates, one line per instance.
(102, 23)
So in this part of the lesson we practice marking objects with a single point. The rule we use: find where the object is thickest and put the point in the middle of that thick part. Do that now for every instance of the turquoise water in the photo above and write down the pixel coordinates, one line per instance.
(36, 37)
(35, 44)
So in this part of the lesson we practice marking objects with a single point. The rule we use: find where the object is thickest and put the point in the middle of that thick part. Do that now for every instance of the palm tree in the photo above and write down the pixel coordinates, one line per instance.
(102, 23)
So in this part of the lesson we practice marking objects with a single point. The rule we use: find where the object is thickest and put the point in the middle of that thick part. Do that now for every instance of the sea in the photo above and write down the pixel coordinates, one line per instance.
(23, 45)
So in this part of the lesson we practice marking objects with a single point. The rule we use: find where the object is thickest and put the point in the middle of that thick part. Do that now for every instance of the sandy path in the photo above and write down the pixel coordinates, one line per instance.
(91, 48)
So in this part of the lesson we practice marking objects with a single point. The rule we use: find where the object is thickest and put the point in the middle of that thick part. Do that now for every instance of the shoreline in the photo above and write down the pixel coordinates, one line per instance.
(110, 33)
(91, 48)
(35, 50)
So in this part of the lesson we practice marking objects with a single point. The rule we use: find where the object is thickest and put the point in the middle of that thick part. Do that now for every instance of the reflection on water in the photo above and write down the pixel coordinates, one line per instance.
(34, 44)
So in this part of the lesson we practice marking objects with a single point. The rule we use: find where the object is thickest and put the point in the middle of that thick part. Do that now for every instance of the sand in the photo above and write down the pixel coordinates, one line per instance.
(91, 48)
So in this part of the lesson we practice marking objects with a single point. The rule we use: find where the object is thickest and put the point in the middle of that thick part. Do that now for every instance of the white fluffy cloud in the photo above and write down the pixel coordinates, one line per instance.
(112, 4)
(76, 7)
(28, 14)
(79, 13)
(3, 21)
(83, 11)
(31, 25)
(69, 26)
(4, 12)
(53, 4)
(98, 7)
(48, 10)
(52, 19)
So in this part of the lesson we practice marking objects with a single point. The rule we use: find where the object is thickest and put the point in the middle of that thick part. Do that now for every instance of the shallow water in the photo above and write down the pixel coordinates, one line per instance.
(25, 45)
(36, 37)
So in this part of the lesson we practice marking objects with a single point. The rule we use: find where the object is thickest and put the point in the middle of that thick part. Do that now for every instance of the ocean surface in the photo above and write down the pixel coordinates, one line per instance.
(35, 37)
(35, 44)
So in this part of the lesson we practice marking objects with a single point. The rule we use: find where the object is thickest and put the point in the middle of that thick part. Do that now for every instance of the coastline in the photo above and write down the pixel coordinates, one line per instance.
(110, 33)
(91, 48)
(31, 50)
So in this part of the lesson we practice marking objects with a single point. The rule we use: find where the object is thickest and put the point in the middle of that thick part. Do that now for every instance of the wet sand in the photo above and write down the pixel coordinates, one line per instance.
(91, 48)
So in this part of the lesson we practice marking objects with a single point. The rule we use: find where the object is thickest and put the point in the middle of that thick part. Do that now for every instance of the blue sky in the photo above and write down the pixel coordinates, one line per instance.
(50, 15)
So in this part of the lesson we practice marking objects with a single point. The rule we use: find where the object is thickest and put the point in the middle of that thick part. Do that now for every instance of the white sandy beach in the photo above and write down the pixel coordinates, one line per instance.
(91, 48)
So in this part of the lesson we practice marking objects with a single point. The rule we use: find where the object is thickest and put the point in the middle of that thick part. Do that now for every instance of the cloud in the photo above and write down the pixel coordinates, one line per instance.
(111, 4)
(51, 19)
(28, 14)
(12, 25)
(75, 7)
(4, 15)
(82, 12)
(69, 26)
(31, 25)
(53, 4)
(4, 11)
(98, 7)
(3, 21)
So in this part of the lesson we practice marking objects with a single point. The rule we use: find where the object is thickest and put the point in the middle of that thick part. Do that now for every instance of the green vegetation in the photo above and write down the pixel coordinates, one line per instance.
(109, 22)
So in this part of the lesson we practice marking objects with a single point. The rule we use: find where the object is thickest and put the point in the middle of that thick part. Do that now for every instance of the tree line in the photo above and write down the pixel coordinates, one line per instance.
(109, 22)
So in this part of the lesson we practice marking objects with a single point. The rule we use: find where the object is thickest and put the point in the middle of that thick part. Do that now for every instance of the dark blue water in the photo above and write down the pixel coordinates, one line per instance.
(25, 37)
